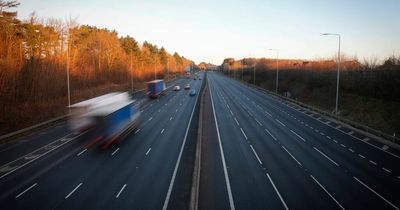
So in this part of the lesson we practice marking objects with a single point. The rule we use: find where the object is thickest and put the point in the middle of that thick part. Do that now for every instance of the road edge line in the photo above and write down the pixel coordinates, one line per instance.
(171, 184)
(194, 196)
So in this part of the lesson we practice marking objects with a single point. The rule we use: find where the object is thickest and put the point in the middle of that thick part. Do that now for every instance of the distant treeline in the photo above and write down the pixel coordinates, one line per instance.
(34, 55)
(369, 93)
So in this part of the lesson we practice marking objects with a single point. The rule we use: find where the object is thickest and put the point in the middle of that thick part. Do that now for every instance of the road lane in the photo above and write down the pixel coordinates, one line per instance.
(277, 164)
(249, 185)
(245, 97)
(100, 171)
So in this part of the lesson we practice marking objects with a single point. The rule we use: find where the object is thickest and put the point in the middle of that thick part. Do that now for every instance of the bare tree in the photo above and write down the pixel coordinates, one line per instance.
(370, 63)
(7, 5)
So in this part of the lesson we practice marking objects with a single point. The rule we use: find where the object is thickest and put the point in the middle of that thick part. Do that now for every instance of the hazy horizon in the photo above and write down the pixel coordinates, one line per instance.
(211, 31)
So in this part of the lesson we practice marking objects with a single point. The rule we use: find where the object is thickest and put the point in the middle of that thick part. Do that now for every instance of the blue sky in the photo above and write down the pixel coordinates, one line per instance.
(211, 30)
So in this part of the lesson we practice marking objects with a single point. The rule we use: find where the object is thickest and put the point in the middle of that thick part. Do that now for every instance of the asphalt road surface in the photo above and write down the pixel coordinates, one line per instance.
(136, 173)
(258, 152)
(277, 157)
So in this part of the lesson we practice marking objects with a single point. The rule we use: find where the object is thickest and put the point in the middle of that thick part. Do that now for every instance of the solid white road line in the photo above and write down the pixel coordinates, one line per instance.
(255, 153)
(236, 121)
(120, 191)
(270, 134)
(243, 133)
(365, 185)
(326, 156)
(69, 194)
(291, 155)
(27, 189)
(298, 135)
(81, 152)
(112, 154)
(148, 151)
(171, 184)
(137, 131)
(227, 182)
(333, 198)
(277, 192)
(280, 123)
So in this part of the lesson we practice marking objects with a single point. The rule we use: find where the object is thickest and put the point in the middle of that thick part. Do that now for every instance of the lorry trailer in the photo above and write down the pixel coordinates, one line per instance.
(155, 88)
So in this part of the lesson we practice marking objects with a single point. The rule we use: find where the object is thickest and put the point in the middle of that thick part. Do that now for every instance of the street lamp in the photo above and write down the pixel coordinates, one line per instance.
(167, 69)
(155, 67)
(241, 66)
(277, 68)
(254, 68)
(68, 88)
(338, 70)
(254, 71)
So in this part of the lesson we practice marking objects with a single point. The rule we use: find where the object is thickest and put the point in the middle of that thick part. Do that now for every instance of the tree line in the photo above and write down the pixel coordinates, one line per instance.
(369, 91)
(35, 55)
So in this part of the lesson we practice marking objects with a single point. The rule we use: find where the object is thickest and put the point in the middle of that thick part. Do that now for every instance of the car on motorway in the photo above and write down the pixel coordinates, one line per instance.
(177, 88)
(187, 86)
(192, 92)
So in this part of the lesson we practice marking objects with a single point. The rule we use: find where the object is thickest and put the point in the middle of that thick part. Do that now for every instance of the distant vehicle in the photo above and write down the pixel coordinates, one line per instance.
(187, 86)
(192, 92)
(155, 88)
(111, 116)
(188, 75)
(177, 88)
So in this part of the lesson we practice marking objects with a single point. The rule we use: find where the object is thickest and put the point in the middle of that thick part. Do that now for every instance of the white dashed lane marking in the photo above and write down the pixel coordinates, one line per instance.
(69, 194)
(280, 123)
(326, 156)
(243, 133)
(32, 186)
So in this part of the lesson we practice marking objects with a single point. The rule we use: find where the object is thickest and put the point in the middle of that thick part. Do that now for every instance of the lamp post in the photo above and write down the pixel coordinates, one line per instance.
(254, 68)
(155, 67)
(277, 69)
(241, 66)
(338, 71)
(68, 88)
(167, 69)
(254, 71)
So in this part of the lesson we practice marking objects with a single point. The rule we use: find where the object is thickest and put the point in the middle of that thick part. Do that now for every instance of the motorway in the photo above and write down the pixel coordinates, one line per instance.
(275, 156)
(54, 169)
(258, 152)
